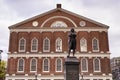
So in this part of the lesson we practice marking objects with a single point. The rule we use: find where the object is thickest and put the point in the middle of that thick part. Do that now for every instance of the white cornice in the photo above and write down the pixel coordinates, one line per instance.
(53, 77)
(59, 55)
(58, 29)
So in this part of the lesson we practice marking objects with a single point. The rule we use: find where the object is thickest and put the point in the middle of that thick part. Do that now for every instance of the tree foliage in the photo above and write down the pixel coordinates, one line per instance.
(2, 69)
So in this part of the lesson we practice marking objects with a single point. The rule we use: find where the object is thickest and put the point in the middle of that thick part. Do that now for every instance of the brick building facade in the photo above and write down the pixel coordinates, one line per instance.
(38, 47)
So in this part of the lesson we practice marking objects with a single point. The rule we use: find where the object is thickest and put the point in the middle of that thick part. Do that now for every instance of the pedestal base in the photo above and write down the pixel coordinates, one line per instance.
(71, 68)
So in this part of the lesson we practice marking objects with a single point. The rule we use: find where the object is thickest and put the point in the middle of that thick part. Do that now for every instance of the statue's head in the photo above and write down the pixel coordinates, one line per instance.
(72, 30)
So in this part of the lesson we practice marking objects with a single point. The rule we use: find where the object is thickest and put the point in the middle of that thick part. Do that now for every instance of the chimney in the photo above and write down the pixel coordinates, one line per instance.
(58, 5)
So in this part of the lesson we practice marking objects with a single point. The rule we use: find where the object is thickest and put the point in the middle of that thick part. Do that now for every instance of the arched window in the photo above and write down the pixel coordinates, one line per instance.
(58, 65)
(58, 45)
(46, 65)
(34, 45)
(21, 65)
(96, 63)
(33, 65)
(84, 65)
(95, 45)
(46, 45)
(22, 45)
(59, 24)
(83, 45)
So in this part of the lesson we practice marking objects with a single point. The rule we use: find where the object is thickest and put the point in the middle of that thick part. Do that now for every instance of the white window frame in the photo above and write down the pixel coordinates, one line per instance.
(86, 65)
(94, 65)
(93, 45)
(35, 44)
(58, 39)
(59, 24)
(24, 44)
(57, 66)
(48, 45)
(18, 65)
(48, 65)
(85, 45)
(31, 64)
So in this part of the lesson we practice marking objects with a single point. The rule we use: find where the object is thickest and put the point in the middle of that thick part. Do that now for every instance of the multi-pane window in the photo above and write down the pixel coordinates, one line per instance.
(20, 65)
(58, 45)
(22, 44)
(84, 64)
(34, 45)
(58, 65)
(96, 64)
(46, 65)
(33, 65)
(46, 45)
(95, 44)
(83, 45)
(58, 24)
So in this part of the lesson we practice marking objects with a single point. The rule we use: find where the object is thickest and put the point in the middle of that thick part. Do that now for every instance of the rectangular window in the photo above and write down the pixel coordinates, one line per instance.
(34, 45)
(95, 45)
(33, 64)
(22, 45)
(20, 68)
(33, 68)
(21, 65)
(59, 65)
(46, 45)
(45, 68)
(58, 45)
(46, 65)
(83, 45)
(84, 65)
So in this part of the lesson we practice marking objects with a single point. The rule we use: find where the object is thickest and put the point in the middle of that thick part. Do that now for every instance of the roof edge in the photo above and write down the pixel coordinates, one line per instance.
(61, 9)
(32, 18)
(85, 18)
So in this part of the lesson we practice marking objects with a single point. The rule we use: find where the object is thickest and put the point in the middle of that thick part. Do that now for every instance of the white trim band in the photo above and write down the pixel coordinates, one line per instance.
(58, 55)
(56, 29)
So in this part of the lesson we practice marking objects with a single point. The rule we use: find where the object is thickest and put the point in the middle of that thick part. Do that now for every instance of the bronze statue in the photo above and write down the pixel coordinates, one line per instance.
(72, 41)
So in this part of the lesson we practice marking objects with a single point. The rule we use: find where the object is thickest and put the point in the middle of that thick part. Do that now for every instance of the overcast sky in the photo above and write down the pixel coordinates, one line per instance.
(103, 11)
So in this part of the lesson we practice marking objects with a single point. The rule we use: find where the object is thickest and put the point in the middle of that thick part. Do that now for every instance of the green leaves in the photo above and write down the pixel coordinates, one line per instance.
(2, 69)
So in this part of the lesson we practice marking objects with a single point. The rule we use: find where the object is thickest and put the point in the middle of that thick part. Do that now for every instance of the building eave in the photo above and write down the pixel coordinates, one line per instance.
(85, 18)
(62, 10)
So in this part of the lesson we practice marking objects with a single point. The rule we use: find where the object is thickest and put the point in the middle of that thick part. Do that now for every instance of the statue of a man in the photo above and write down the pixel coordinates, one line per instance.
(72, 41)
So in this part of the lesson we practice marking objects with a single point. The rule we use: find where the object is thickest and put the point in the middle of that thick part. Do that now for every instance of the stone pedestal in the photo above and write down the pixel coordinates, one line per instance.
(71, 68)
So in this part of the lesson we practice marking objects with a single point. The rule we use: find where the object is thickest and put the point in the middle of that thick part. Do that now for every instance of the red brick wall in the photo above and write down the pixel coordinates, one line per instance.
(15, 37)
(105, 66)
(89, 35)
(41, 19)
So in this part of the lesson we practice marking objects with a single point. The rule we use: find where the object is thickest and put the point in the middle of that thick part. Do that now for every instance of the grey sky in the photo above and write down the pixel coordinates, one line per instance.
(103, 11)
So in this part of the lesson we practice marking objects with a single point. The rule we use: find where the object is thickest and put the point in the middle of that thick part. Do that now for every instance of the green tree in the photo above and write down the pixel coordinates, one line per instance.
(2, 70)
